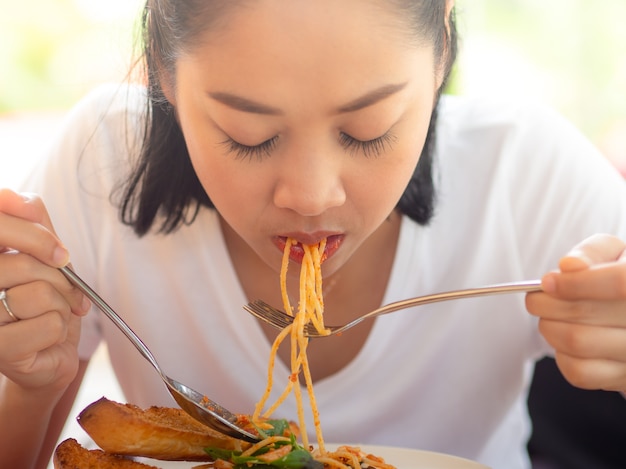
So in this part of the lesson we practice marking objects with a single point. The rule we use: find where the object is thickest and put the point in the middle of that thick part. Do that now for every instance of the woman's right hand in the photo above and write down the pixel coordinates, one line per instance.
(38, 351)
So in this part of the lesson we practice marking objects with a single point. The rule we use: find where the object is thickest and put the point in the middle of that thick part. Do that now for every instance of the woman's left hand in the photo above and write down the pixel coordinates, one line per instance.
(583, 313)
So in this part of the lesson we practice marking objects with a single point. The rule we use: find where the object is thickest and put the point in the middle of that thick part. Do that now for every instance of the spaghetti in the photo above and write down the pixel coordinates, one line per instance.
(278, 444)
(310, 309)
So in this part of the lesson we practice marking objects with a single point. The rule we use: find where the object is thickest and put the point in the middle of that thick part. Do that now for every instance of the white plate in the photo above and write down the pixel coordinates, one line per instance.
(400, 457)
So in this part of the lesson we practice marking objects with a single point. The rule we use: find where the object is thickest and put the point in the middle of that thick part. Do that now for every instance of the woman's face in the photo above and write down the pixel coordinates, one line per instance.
(306, 119)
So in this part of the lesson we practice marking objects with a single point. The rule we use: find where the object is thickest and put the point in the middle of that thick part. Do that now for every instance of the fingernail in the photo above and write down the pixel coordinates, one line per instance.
(574, 263)
(60, 256)
(581, 257)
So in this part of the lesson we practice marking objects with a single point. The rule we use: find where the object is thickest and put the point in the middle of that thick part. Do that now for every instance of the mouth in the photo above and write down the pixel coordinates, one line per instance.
(296, 251)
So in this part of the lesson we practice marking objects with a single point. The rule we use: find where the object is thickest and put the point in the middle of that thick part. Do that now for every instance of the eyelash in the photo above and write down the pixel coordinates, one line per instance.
(259, 151)
(369, 148)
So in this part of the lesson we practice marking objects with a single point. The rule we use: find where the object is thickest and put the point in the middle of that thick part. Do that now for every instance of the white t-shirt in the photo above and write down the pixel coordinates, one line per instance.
(517, 188)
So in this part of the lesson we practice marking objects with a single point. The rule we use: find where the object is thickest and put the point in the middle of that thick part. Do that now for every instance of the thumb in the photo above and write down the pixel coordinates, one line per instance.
(589, 271)
(597, 249)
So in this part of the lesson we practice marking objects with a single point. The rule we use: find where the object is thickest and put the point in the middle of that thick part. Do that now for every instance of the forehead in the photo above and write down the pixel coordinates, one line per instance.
(288, 48)
(318, 21)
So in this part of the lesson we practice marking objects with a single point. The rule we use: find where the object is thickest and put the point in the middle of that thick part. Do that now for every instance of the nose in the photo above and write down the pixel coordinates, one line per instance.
(309, 184)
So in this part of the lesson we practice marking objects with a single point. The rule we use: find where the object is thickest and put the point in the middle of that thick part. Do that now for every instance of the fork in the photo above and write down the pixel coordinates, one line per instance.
(279, 319)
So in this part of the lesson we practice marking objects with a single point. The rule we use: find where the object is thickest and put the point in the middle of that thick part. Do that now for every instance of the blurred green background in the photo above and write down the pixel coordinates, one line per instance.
(53, 51)
(568, 53)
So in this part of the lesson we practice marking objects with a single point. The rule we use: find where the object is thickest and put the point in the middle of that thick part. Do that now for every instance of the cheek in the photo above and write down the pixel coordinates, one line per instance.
(376, 189)
(394, 176)
(221, 180)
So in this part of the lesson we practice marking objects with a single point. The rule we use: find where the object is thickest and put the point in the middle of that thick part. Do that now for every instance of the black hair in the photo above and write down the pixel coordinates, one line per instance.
(163, 188)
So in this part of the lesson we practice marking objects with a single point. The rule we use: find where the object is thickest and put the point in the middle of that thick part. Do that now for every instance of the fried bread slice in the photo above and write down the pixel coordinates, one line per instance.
(157, 432)
(69, 454)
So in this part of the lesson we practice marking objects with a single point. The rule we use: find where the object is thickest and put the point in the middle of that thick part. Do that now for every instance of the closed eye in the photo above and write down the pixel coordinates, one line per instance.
(260, 151)
(369, 148)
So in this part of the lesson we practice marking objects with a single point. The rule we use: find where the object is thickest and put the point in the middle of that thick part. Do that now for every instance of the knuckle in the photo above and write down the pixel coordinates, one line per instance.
(74, 296)
(44, 291)
(579, 373)
(574, 339)
(56, 325)
(579, 310)
(45, 240)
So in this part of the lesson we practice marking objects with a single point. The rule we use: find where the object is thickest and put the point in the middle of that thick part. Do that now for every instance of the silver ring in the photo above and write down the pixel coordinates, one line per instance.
(3, 299)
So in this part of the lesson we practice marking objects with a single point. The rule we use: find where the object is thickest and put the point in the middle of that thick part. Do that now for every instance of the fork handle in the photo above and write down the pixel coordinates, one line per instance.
(495, 289)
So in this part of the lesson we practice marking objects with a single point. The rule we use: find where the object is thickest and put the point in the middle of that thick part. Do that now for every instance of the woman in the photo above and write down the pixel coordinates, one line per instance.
(313, 120)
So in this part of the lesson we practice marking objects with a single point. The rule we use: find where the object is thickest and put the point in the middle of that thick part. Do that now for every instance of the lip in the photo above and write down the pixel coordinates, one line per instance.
(296, 252)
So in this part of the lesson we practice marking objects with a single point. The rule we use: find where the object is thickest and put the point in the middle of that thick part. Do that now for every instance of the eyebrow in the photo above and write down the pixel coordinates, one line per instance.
(244, 104)
(247, 105)
(371, 97)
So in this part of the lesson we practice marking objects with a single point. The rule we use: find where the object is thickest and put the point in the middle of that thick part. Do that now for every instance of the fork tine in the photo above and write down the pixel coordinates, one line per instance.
(269, 314)
(311, 331)
(276, 317)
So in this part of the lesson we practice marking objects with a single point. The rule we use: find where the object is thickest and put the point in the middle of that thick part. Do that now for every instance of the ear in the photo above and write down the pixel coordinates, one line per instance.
(449, 7)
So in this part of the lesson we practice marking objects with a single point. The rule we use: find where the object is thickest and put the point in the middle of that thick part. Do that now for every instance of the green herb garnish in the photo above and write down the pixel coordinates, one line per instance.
(297, 458)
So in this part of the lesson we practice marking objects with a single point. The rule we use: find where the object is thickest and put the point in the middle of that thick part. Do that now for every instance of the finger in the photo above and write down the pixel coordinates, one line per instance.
(599, 282)
(34, 284)
(25, 205)
(42, 332)
(591, 312)
(585, 341)
(25, 226)
(592, 373)
(34, 299)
